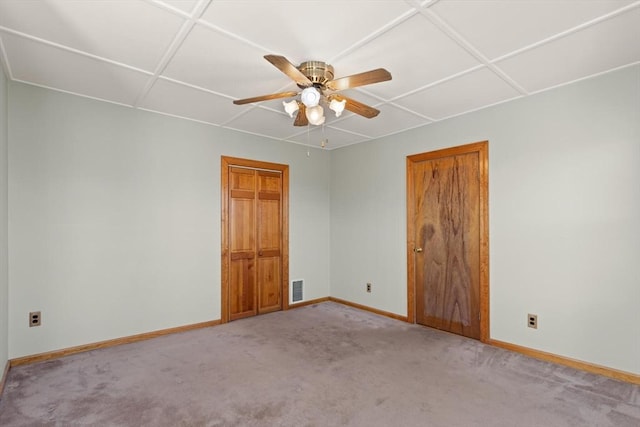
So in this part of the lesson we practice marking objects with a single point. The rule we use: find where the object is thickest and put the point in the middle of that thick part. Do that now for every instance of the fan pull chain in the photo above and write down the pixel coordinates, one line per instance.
(324, 141)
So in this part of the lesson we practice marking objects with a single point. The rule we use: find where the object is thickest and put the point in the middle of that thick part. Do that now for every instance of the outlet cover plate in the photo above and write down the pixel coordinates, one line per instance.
(35, 318)
(532, 321)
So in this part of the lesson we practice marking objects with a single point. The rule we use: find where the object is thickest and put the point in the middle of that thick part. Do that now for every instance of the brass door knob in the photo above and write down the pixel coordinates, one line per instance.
(417, 250)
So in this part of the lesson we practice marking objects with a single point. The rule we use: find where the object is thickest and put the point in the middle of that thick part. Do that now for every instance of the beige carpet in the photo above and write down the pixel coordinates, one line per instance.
(321, 365)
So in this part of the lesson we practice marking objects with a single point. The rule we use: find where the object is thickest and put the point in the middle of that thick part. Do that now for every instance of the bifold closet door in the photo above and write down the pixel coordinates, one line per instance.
(255, 242)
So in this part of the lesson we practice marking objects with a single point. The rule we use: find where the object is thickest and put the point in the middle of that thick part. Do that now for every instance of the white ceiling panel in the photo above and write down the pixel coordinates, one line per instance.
(465, 93)
(262, 121)
(335, 137)
(390, 120)
(415, 53)
(497, 27)
(584, 53)
(446, 57)
(304, 30)
(131, 32)
(183, 101)
(52, 67)
(220, 63)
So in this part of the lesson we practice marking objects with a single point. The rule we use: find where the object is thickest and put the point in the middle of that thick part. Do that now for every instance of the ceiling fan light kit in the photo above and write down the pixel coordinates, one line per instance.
(315, 78)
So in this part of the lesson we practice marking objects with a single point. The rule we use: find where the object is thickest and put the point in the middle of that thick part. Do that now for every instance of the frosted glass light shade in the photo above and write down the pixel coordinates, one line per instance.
(337, 106)
(310, 97)
(290, 107)
(315, 115)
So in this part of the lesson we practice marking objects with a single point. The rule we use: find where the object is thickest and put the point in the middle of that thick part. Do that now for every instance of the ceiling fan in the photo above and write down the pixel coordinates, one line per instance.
(315, 78)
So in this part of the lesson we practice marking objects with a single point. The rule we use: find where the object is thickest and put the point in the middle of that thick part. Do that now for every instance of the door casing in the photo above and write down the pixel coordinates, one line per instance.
(226, 163)
(482, 148)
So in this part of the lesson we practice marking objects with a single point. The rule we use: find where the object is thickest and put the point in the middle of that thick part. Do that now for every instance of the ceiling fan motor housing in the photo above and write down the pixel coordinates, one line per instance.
(317, 71)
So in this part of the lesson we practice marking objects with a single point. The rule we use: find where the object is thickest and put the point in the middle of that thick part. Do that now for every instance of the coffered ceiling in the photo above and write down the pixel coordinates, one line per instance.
(192, 58)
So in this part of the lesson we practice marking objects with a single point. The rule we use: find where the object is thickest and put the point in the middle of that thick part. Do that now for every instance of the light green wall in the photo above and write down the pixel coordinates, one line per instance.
(564, 209)
(114, 218)
(4, 284)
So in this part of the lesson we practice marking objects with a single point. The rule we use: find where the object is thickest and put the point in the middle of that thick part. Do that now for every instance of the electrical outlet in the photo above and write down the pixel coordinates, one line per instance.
(532, 321)
(369, 287)
(35, 318)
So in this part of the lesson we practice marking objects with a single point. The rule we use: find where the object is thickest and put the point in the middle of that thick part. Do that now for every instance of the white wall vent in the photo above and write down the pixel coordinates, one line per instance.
(296, 290)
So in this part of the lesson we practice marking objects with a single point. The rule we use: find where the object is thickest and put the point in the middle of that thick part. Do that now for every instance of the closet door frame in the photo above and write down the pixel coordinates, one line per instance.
(226, 163)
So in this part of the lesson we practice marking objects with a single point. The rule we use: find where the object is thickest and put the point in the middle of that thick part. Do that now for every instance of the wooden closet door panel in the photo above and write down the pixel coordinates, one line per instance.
(269, 280)
(269, 226)
(242, 243)
(269, 241)
(242, 299)
(242, 237)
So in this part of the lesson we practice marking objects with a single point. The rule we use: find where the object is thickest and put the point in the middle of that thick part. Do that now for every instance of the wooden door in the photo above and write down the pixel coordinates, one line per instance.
(448, 239)
(254, 234)
(242, 226)
(269, 232)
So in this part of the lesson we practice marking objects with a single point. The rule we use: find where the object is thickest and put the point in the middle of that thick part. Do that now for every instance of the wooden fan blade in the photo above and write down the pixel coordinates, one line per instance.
(265, 98)
(301, 118)
(356, 107)
(361, 79)
(283, 64)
